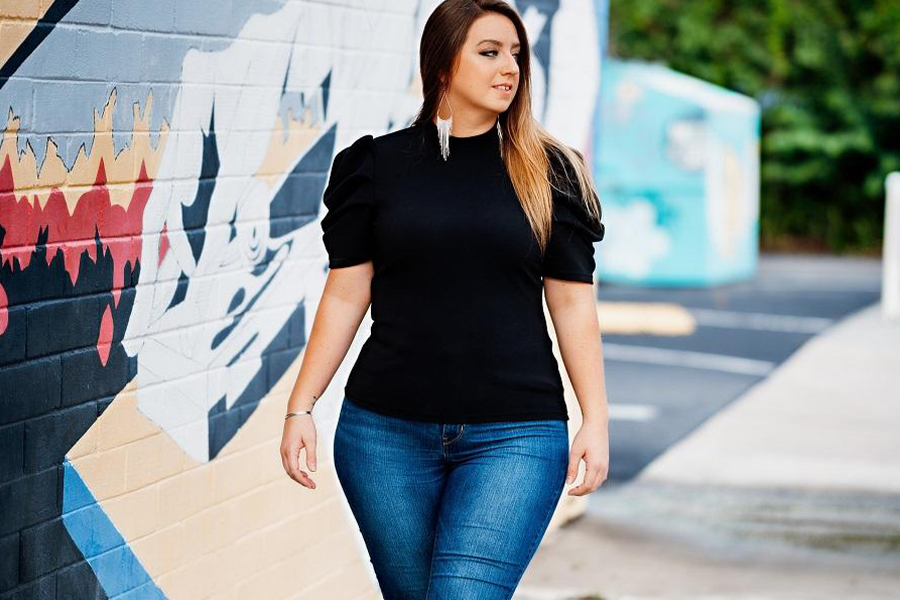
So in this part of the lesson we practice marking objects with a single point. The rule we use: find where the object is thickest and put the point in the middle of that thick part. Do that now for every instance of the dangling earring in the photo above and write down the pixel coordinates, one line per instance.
(443, 127)
(500, 135)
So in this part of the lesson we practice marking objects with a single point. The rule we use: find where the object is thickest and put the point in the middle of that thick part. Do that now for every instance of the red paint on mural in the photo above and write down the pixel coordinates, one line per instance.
(119, 229)
(73, 234)
(104, 341)
(163, 242)
(4, 312)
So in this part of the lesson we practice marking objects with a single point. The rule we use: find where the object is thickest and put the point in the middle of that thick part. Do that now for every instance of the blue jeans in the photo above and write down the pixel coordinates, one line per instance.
(449, 511)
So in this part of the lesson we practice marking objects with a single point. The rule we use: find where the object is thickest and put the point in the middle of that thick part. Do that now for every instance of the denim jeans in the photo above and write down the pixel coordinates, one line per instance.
(449, 511)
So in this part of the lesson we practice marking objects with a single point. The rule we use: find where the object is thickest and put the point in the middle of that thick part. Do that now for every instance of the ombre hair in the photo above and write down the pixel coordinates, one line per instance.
(527, 146)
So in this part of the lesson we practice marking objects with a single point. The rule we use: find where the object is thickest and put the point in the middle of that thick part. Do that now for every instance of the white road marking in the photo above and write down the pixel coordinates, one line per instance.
(759, 321)
(687, 358)
(632, 412)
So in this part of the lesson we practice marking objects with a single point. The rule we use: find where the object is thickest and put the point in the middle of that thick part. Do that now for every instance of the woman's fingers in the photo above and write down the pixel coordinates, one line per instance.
(590, 481)
(584, 487)
(298, 435)
(574, 458)
(301, 476)
(311, 455)
(291, 462)
(576, 455)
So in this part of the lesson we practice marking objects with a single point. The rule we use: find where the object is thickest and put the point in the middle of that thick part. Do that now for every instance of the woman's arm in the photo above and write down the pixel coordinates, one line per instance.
(344, 302)
(573, 311)
(574, 314)
(343, 305)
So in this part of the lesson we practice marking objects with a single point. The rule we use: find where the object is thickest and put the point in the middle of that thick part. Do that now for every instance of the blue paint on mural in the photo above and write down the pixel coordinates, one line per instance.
(117, 568)
(676, 163)
(122, 58)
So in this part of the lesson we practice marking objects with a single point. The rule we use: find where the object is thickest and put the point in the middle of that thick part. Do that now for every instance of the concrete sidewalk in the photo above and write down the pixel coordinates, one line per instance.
(827, 419)
(790, 492)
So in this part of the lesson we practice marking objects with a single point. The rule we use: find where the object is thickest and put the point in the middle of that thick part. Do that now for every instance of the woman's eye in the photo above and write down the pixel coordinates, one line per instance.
(493, 52)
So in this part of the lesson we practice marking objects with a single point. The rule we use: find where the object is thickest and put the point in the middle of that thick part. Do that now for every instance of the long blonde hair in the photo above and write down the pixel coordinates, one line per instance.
(528, 147)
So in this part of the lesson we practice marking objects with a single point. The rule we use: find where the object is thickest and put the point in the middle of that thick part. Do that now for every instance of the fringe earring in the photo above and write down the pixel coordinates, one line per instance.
(443, 127)
(500, 135)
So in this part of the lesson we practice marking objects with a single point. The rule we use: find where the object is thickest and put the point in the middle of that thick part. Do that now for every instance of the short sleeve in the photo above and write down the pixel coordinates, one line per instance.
(570, 251)
(350, 199)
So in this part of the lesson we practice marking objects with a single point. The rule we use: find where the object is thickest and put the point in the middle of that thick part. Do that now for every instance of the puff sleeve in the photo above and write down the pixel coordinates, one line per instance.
(570, 251)
(350, 199)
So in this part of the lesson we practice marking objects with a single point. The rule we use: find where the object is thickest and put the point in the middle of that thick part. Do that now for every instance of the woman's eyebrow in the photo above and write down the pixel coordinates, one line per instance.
(516, 45)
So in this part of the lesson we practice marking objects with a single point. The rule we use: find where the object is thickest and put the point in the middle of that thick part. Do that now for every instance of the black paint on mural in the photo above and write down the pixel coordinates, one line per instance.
(540, 47)
(42, 29)
(295, 204)
(53, 388)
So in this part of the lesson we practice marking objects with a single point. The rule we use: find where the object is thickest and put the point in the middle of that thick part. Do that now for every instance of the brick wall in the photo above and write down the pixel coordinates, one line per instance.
(161, 173)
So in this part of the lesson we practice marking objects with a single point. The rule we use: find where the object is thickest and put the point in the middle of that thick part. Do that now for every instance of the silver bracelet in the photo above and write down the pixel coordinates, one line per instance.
(294, 414)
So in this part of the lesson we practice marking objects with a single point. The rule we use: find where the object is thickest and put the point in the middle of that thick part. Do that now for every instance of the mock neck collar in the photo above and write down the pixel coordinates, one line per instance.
(487, 139)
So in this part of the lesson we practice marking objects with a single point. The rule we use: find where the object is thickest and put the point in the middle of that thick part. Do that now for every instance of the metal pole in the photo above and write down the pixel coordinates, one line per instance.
(890, 277)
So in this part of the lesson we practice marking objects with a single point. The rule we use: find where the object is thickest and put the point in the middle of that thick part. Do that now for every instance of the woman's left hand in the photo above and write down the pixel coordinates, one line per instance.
(592, 444)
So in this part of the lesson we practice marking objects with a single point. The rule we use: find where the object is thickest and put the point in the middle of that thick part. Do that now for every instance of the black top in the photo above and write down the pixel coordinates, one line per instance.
(458, 330)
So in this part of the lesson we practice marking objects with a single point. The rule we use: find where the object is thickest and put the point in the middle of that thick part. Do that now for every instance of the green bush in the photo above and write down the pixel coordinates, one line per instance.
(827, 76)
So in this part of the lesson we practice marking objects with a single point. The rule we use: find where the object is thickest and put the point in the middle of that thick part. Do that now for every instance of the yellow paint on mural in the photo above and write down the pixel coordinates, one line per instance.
(17, 20)
(235, 527)
(122, 169)
(282, 152)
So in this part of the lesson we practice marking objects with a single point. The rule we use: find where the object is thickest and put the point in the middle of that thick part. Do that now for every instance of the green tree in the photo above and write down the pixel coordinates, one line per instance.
(827, 76)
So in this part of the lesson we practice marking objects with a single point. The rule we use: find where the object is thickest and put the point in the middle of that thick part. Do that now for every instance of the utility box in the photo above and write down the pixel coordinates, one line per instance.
(676, 162)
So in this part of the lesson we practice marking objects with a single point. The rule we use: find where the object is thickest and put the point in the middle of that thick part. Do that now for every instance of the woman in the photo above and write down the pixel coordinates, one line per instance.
(452, 441)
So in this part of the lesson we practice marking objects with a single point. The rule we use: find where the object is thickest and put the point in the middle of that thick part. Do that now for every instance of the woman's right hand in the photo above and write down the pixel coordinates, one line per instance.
(299, 432)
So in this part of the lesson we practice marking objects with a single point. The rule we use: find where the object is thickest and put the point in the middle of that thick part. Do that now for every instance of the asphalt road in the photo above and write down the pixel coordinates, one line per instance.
(661, 387)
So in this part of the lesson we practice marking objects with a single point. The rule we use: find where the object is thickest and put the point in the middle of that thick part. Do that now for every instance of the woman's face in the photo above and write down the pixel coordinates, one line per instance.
(488, 58)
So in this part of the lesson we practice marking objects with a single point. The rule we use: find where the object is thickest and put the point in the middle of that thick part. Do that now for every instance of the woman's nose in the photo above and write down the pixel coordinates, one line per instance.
(511, 65)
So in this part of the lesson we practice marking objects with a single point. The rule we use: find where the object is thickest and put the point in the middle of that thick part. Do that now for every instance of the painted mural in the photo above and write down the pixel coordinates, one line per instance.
(161, 172)
(678, 168)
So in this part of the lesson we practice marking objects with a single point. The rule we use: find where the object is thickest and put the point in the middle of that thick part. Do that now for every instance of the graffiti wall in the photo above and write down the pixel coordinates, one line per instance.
(161, 172)
(678, 168)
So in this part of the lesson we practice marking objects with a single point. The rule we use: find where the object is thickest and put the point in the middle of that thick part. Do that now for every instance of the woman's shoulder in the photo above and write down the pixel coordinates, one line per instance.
(358, 159)
(355, 156)
(560, 163)
(399, 142)
(568, 201)
(563, 180)
(398, 135)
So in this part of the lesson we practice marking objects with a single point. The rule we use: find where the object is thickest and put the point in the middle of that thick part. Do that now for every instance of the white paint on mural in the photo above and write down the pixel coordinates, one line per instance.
(186, 352)
(574, 74)
(687, 144)
(620, 253)
(627, 94)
